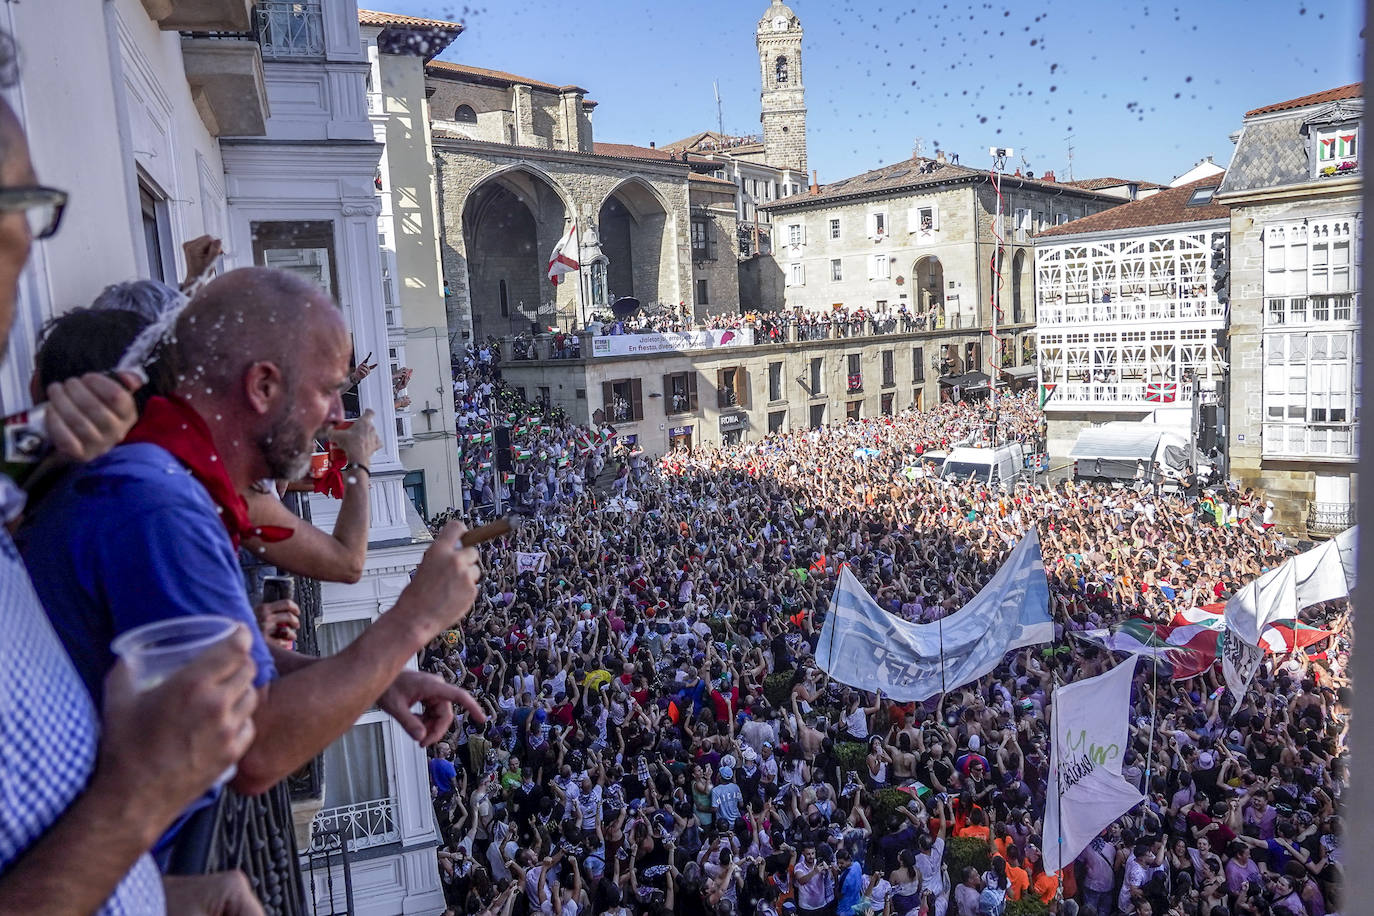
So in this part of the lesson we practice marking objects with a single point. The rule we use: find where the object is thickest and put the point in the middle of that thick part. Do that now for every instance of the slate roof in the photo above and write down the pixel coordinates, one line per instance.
(1353, 91)
(1273, 151)
(1166, 208)
(501, 77)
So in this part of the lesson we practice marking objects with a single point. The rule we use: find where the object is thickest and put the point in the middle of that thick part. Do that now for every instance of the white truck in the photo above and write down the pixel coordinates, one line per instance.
(1002, 464)
(1115, 452)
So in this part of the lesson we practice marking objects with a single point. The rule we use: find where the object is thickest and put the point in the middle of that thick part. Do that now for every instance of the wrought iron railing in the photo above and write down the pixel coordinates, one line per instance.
(290, 29)
(1330, 518)
(364, 825)
(329, 874)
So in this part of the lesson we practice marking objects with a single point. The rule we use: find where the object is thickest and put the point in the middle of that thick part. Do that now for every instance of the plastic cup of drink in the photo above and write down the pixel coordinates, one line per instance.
(156, 651)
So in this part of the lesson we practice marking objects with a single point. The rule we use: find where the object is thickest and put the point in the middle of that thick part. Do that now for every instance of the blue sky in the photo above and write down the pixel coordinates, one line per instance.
(1145, 89)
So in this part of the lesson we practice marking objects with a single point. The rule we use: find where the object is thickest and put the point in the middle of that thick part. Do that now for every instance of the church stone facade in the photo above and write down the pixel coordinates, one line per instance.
(779, 40)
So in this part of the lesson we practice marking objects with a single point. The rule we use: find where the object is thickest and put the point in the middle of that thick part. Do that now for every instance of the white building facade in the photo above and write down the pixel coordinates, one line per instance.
(169, 119)
(1131, 325)
(1294, 187)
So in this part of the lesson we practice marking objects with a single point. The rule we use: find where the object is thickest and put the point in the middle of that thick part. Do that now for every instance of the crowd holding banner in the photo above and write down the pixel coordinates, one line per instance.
(661, 734)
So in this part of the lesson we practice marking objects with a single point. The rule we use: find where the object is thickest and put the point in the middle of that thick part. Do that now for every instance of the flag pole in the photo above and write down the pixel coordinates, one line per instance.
(1154, 711)
(582, 277)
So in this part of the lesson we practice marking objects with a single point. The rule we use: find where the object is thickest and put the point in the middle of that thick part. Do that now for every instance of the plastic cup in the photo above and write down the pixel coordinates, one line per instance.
(156, 651)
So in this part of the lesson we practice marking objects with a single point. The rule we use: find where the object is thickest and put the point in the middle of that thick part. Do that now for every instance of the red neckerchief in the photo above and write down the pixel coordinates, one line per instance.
(173, 424)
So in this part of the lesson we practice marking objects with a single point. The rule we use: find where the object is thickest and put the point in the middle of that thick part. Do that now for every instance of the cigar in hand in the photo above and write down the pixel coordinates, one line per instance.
(486, 532)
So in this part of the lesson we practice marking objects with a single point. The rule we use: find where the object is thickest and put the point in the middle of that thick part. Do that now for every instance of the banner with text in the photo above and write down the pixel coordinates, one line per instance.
(1086, 789)
(670, 342)
(864, 646)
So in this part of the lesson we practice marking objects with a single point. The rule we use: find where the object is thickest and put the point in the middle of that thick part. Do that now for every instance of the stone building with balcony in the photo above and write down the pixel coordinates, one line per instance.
(1294, 188)
(915, 240)
(418, 338)
(248, 121)
(1131, 323)
(705, 388)
(645, 225)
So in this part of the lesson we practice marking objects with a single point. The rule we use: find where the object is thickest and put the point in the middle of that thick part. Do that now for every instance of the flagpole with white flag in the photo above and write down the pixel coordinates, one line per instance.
(565, 256)
(1089, 735)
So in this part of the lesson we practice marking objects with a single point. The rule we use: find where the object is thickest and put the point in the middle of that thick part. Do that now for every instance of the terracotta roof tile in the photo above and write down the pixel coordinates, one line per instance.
(1163, 209)
(908, 174)
(1097, 184)
(712, 180)
(369, 17)
(630, 151)
(443, 67)
(1353, 91)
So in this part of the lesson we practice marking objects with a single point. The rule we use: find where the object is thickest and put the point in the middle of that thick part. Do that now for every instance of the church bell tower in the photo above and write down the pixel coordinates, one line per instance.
(779, 40)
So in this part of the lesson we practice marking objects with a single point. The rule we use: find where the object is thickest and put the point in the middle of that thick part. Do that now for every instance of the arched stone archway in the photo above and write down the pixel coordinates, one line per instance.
(1022, 293)
(633, 225)
(929, 276)
(512, 219)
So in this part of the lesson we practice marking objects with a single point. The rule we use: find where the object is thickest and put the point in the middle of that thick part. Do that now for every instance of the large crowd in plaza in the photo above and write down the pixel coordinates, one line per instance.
(659, 736)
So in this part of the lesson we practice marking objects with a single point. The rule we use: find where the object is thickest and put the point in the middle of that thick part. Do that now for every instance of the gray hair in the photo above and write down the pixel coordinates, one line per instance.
(146, 298)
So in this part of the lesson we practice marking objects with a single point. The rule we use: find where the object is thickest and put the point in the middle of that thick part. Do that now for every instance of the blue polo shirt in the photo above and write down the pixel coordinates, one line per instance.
(128, 539)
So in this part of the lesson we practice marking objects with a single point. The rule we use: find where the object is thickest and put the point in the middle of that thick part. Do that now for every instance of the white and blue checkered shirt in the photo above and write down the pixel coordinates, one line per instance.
(48, 735)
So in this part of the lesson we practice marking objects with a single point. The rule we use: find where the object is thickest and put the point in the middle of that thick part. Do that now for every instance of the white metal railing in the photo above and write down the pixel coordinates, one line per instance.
(1111, 394)
(290, 28)
(1316, 440)
(365, 824)
(1058, 312)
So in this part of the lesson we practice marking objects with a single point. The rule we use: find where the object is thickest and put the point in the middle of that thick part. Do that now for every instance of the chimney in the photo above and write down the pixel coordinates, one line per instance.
(815, 181)
(940, 156)
(1048, 176)
(1017, 173)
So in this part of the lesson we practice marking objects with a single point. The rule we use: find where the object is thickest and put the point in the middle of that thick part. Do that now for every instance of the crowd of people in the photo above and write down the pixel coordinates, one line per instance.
(841, 321)
(659, 736)
(623, 698)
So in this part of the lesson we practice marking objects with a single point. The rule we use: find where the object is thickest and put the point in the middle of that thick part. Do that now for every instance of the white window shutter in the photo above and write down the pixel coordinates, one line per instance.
(872, 225)
(913, 219)
(935, 217)
(802, 269)
(803, 233)
(872, 266)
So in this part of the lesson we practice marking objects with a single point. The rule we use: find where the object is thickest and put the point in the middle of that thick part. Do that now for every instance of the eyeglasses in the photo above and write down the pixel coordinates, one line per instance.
(42, 207)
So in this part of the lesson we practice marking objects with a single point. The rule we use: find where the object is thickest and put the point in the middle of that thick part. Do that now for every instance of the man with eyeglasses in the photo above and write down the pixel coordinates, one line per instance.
(81, 801)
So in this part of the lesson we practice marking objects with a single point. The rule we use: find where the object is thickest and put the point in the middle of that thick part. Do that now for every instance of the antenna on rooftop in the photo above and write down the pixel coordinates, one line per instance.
(918, 147)
(720, 114)
(1069, 140)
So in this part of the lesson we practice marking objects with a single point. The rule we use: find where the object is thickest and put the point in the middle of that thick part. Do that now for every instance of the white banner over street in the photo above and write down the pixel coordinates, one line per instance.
(1321, 574)
(864, 646)
(1086, 789)
(670, 342)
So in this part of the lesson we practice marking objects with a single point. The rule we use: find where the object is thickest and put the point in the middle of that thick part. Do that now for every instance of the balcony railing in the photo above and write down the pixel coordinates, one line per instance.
(290, 29)
(1146, 395)
(364, 825)
(1055, 312)
(1317, 440)
(1329, 518)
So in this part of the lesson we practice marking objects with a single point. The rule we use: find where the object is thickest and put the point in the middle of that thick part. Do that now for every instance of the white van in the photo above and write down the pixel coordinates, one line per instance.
(1003, 464)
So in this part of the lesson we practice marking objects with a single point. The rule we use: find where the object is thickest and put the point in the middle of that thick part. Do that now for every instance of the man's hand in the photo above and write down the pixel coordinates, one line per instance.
(362, 370)
(436, 695)
(359, 441)
(89, 415)
(445, 584)
(163, 748)
(201, 253)
(222, 893)
(280, 622)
